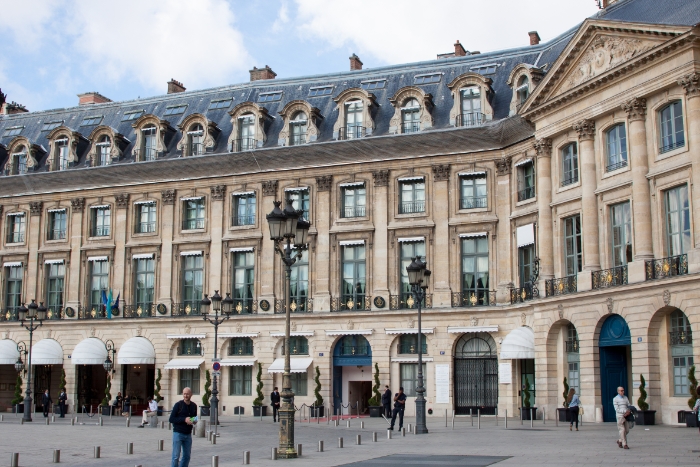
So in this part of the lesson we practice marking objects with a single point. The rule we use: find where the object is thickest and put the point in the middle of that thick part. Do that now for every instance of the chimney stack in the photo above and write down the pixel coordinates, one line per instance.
(460, 51)
(355, 63)
(175, 86)
(11, 108)
(534, 37)
(90, 98)
(262, 73)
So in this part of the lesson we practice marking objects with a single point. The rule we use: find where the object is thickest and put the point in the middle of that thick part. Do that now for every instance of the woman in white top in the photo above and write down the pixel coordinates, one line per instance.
(573, 402)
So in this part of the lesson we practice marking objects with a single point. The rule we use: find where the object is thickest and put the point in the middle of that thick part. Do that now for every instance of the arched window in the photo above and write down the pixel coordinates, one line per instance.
(410, 114)
(616, 144)
(189, 347)
(196, 140)
(353, 119)
(681, 340)
(408, 344)
(353, 346)
(149, 143)
(569, 164)
(298, 345)
(104, 148)
(572, 357)
(471, 107)
(297, 129)
(246, 133)
(523, 89)
(19, 161)
(241, 346)
(671, 127)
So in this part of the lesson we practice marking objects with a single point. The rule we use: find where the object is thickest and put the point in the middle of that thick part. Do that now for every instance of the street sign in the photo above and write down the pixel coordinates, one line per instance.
(217, 374)
(215, 359)
(216, 366)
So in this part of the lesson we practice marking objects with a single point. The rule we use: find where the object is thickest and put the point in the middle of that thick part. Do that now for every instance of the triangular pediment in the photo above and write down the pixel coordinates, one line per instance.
(598, 48)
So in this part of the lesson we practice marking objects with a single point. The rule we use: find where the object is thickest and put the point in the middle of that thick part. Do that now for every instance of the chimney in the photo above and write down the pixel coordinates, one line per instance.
(534, 37)
(459, 50)
(355, 63)
(11, 108)
(262, 73)
(90, 98)
(175, 86)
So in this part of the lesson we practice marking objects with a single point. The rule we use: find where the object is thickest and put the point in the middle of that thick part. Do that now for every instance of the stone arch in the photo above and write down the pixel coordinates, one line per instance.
(534, 76)
(467, 80)
(399, 99)
(33, 151)
(369, 107)
(163, 129)
(211, 131)
(261, 116)
(475, 373)
(117, 139)
(58, 134)
(559, 356)
(313, 116)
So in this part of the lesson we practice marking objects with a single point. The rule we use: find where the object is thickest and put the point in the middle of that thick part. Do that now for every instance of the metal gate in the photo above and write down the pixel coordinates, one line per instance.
(475, 375)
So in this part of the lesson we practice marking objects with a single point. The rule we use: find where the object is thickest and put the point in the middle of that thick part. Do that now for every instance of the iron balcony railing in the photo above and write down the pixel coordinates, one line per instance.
(245, 306)
(350, 303)
(57, 234)
(609, 277)
(149, 154)
(470, 298)
(522, 294)
(666, 267)
(243, 144)
(615, 166)
(189, 308)
(563, 286)
(569, 181)
(351, 132)
(145, 227)
(472, 202)
(411, 207)
(10, 314)
(304, 305)
(684, 337)
(54, 312)
(244, 220)
(353, 211)
(362, 349)
(526, 193)
(297, 139)
(410, 127)
(96, 311)
(408, 348)
(669, 147)
(406, 301)
(238, 347)
(192, 224)
(15, 237)
(470, 119)
(572, 345)
(143, 310)
(297, 348)
(101, 231)
(189, 350)
(196, 149)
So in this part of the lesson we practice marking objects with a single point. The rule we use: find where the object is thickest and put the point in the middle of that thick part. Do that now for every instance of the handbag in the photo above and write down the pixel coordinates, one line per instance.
(580, 410)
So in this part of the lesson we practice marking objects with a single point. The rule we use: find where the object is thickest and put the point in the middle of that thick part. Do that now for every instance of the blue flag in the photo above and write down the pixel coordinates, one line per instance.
(104, 298)
(115, 306)
(109, 305)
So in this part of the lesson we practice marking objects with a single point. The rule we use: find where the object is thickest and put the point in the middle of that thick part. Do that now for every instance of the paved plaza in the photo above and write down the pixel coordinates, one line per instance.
(465, 445)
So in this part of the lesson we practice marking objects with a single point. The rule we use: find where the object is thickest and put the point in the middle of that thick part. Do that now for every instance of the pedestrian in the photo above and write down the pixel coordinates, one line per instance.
(118, 403)
(46, 401)
(62, 401)
(150, 412)
(183, 418)
(275, 401)
(573, 403)
(622, 410)
(386, 401)
(126, 407)
(399, 406)
(696, 407)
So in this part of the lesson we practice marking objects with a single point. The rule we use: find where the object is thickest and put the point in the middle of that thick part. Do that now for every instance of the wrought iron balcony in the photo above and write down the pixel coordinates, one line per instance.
(243, 144)
(411, 207)
(54, 312)
(305, 305)
(353, 211)
(144, 310)
(609, 277)
(669, 147)
(190, 308)
(246, 306)
(563, 286)
(666, 267)
(196, 149)
(96, 311)
(297, 139)
(472, 202)
(410, 127)
(470, 119)
(192, 224)
(351, 132)
(615, 166)
(354, 350)
(570, 180)
(150, 154)
(101, 231)
(189, 348)
(681, 337)
(526, 193)
(57, 234)
(412, 348)
(572, 345)
(10, 314)
(240, 347)
(145, 227)
(470, 298)
(244, 220)
(522, 294)
(297, 348)
(407, 302)
(15, 237)
(350, 303)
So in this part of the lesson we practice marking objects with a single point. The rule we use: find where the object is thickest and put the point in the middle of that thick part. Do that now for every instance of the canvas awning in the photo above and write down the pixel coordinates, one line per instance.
(468, 329)
(47, 352)
(409, 331)
(518, 344)
(90, 351)
(297, 365)
(349, 332)
(184, 364)
(135, 351)
(525, 235)
(410, 359)
(8, 352)
(238, 361)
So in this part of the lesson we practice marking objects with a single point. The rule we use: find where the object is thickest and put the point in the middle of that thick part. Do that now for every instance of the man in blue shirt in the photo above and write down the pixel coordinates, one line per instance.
(183, 418)
(399, 405)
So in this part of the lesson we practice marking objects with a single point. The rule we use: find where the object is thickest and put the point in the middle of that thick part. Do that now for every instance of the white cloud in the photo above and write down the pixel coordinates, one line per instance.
(25, 21)
(282, 17)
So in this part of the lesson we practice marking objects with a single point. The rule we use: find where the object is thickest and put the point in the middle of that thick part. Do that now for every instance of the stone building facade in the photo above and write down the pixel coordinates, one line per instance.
(549, 188)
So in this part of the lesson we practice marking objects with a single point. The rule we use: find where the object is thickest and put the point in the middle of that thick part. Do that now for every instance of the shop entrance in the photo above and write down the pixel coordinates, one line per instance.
(352, 374)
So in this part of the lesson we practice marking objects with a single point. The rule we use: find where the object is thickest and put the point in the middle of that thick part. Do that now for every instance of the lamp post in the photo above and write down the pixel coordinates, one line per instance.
(32, 313)
(22, 349)
(109, 362)
(418, 277)
(290, 228)
(224, 307)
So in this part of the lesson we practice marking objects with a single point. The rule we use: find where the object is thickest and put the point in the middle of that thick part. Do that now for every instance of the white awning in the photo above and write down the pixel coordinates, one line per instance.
(47, 352)
(410, 239)
(523, 162)
(97, 258)
(296, 365)
(353, 332)
(11, 264)
(145, 202)
(410, 359)
(518, 344)
(191, 198)
(343, 185)
(57, 210)
(186, 336)
(15, 214)
(238, 334)
(293, 333)
(299, 188)
(409, 330)
(473, 234)
(468, 329)
(143, 256)
(100, 206)
(135, 351)
(472, 174)
(54, 261)
(192, 253)
(526, 235)
(352, 242)
(243, 193)
(238, 361)
(8, 352)
(245, 248)
(410, 179)
(184, 363)
(90, 351)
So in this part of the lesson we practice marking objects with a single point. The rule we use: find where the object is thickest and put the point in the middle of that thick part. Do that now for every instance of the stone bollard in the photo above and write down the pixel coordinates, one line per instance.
(201, 429)
(21, 421)
(374, 436)
(299, 450)
(403, 431)
(128, 422)
(214, 461)
(162, 425)
(46, 421)
(340, 442)
(409, 428)
(362, 425)
(96, 452)
(101, 422)
(14, 460)
(2, 418)
(348, 423)
(388, 434)
(213, 438)
(336, 422)
(273, 454)
(160, 444)
(246, 458)
(72, 421)
(320, 446)
(358, 440)
(56, 456)
(53, 418)
(129, 448)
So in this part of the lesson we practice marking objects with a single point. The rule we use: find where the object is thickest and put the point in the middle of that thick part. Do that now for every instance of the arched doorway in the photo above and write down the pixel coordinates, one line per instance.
(615, 345)
(475, 374)
(352, 372)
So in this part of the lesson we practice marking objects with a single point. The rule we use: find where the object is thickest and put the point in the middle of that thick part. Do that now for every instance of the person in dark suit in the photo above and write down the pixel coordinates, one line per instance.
(62, 403)
(386, 401)
(46, 401)
(126, 411)
(399, 406)
(275, 402)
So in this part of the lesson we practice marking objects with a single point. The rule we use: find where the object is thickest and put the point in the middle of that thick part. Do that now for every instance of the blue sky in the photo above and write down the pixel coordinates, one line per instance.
(52, 50)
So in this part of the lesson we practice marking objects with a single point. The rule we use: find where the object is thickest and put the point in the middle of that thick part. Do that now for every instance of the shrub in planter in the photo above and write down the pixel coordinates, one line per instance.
(317, 407)
(156, 392)
(691, 418)
(105, 409)
(375, 402)
(644, 415)
(205, 409)
(526, 411)
(258, 406)
(563, 413)
(17, 398)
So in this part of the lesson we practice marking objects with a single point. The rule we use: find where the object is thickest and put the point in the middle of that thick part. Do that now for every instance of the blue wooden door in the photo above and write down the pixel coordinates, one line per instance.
(337, 389)
(613, 369)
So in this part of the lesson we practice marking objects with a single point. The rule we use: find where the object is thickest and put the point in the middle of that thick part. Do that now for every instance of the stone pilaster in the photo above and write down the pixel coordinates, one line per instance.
(33, 238)
(691, 84)
(545, 247)
(322, 293)
(589, 219)
(267, 259)
(217, 218)
(165, 278)
(119, 227)
(72, 269)
(440, 266)
(504, 254)
(380, 252)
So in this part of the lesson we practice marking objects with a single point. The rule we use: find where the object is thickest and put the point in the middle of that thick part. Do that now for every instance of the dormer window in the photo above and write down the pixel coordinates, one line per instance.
(196, 140)
(246, 133)
(149, 143)
(297, 129)
(410, 116)
(470, 99)
(353, 119)
(523, 89)
(62, 153)
(104, 148)
(19, 161)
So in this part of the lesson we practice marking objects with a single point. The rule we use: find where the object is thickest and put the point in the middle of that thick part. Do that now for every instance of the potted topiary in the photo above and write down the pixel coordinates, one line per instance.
(258, 406)
(61, 388)
(644, 415)
(156, 392)
(691, 418)
(317, 408)
(17, 399)
(563, 412)
(105, 408)
(375, 402)
(526, 411)
(205, 409)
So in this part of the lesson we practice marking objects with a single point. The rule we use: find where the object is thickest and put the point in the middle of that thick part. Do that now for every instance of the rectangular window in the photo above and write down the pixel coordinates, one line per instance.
(572, 246)
(48, 126)
(472, 191)
(192, 280)
(409, 378)
(99, 282)
(412, 197)
(409, 250)
(621, 234)
(175, 109)
(616, 141)
(15, 228)
(243, 281)
(131, 115)
(373, 84)
(526, 181)
(526, 262)
(270, 96)
(101, 221)
(193, 215)
(57, 225)
(20, 163)
(475, 270)
(574, 376)
(13, 288)
(146, 218)
(671, 123)
(220, 104)
(55, 273)
(88, 121)
(354, 201)
(471, 107)
(485, 69)
(353, 273)
(680, 375)
(677, 220)
(300, 281)
(62, 154)
(301, 200)
(190, 346)
(569, 163)
(145, 283)
(240, 381)
(320, 91)
(427, 79)
(244, 209)
(149, 143)
(299, 383)
(527, 371)
(189, 379)
(13, 131)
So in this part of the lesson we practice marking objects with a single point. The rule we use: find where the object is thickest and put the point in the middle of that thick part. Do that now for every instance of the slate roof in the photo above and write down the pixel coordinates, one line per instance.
(670, 12)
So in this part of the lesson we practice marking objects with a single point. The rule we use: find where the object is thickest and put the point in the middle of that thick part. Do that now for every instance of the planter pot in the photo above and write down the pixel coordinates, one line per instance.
(105, 411)
(376, 410)
(56, 410)
(645, 417)
(528, 412)
(19, 408)
(681, 416)
(317, 411)
(691, 419)
(259, 408)
(563, 414)
(160, 410)
(204, 411)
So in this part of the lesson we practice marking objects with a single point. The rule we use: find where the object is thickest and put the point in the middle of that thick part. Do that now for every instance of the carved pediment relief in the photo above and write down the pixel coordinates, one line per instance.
(209, 133)
(97, 136)
(260, 116)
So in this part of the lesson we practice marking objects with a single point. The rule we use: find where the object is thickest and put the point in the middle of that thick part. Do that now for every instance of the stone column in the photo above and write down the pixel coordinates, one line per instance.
(216, 226)
(72, 268)
(589, 203)
(439, 264)
(691, 83)
(33, 239)
(543, 147)
(503, 254)
(165, 274)
(119, 260)
(322, 292)
(267, 258)
(380, 250)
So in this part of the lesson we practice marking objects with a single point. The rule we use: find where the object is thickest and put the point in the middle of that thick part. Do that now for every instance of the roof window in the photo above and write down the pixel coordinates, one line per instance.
(220, 104)
(87, 121)
(270, 96)
(48, 126)
(485, 69)
(175, 109)
(373, 84)
(427, 79)
(320, 91)
(132, 115)
(13, 131)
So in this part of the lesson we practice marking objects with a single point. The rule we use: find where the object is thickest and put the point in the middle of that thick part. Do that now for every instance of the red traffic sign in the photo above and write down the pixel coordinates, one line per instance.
(216, 366)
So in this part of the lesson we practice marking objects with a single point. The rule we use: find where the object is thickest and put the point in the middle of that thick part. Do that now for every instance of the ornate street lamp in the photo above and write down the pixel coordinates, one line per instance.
(22, 349)
(32, 313)
(418, 277)
(289, 228)
(109, 362)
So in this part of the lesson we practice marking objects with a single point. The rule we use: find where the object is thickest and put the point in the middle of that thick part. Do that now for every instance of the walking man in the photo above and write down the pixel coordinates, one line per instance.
(621, 404)
(62, 401)
(275, 401)
(183, 417)
(386, 401)
(399, 405)
(46, 401)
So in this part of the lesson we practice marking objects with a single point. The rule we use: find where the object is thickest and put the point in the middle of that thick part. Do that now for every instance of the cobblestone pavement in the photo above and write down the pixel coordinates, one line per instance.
(519, 444)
